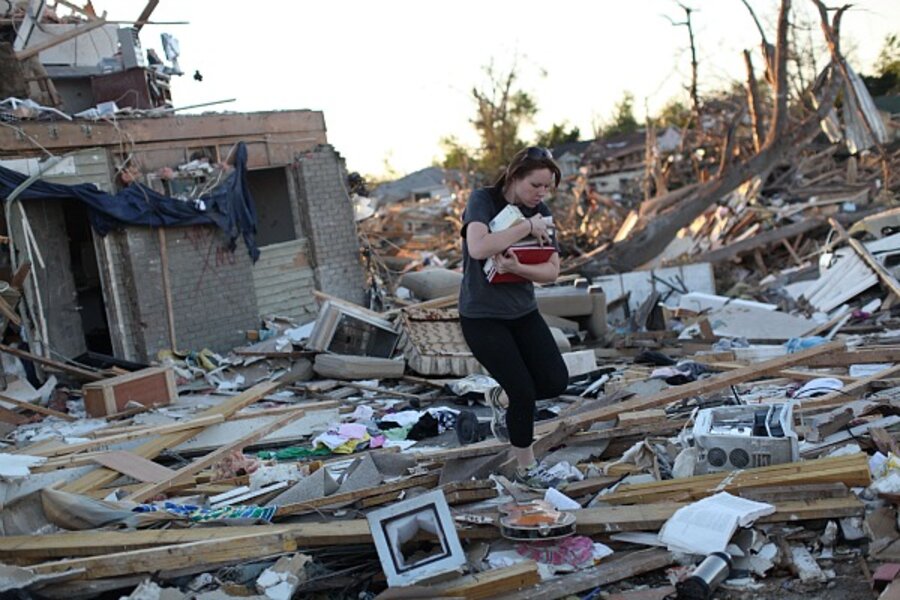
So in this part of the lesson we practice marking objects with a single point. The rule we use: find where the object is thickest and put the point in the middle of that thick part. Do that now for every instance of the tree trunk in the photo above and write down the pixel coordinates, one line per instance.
(651, 239)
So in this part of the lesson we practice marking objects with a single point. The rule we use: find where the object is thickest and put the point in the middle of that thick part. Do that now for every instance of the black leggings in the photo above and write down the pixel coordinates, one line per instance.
(522, 356)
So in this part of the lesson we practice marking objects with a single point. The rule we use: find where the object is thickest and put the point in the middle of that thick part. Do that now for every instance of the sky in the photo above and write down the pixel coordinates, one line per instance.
(393, 77)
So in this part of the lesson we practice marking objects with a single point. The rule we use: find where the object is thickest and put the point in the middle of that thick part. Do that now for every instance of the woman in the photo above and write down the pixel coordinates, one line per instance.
(500, 321)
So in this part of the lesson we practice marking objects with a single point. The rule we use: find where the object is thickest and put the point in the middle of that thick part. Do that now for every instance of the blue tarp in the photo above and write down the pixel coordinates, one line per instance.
(229, 206)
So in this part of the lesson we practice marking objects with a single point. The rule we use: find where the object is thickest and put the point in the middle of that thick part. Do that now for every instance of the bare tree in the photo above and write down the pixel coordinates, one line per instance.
(656, 230)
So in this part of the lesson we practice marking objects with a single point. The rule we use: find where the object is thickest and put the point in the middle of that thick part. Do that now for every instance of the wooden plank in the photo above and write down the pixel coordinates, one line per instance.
(153, 448)
(427, 481)
(213, 457)
(651, 516)
(847, 393)
(883, 274)
(134, 466)
(53, 364)
(130, 435)
(758, 241)
(876, 354)
(277, 127)
(99, 542)
(236, 549)
(851, 470)
(59, 39)
(591, 521)
(8, 312)
(38, 409)
(489, 584)
(21, 274)
(619, 567)
(695, 388)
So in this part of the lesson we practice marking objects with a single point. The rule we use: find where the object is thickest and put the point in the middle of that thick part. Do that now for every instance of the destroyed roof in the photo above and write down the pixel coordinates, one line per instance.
(424, 180)
(574, 148)
(620, 145)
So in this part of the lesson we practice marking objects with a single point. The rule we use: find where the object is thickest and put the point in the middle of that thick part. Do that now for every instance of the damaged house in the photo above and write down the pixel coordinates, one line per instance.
(180, 232)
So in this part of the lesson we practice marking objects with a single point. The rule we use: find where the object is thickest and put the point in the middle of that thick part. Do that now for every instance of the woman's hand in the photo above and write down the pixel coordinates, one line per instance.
(506, 262)
(539, 229)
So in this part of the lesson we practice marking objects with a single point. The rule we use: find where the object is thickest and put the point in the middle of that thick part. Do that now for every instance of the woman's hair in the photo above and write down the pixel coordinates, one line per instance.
(525, 161)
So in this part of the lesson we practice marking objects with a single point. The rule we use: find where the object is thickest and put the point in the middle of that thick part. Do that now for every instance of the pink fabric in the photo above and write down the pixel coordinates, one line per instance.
(575, 551)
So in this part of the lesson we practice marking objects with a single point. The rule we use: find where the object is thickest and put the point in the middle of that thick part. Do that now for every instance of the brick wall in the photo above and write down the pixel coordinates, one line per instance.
(327, 216)
(213, 298)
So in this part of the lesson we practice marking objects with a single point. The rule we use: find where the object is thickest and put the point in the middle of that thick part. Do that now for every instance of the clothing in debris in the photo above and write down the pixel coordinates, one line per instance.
(198, 514)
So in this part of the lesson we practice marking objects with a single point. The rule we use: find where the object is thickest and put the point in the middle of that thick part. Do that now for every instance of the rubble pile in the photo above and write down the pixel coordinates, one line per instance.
(731, 426)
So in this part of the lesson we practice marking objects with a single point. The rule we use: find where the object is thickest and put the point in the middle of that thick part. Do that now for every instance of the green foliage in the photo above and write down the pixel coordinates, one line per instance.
(674, 113)
(501, 111)
(556, 135)
(886, 80)
(623, 120)
(456, 156)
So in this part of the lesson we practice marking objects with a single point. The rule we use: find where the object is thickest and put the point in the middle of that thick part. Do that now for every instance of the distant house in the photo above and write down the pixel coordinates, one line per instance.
(615, 164)
(427, 183)
(568, 156)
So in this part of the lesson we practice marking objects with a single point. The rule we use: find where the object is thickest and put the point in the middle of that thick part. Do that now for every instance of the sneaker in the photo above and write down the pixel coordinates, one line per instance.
(498, 413)
(537, 477)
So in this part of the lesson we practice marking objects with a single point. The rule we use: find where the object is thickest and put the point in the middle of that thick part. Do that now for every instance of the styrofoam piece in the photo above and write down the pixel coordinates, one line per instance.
(580, 362)
(700, 301)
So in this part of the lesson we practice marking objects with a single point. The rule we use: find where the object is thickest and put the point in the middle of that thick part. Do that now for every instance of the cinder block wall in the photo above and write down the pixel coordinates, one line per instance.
(212, 289)
(327, 218)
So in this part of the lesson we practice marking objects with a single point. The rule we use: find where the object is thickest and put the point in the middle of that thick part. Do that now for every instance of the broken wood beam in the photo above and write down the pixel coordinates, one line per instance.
(490, 583)
(695, 388)
(762, 240)
(151, 560)
(152, 448)
(53, 364)
(59, 39)
(427, 481)
(129, 435)
(214, 457)
(617, 568)
(847, 393)
(889, 281)
(591, 521)
(851, 470)
(37, 408)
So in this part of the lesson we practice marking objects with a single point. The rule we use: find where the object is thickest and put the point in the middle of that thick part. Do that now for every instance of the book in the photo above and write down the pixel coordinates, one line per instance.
(530, 253)
(510, 216)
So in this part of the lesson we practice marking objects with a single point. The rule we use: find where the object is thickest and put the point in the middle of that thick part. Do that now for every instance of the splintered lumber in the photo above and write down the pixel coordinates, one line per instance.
(151, 560)
(695, 388)
(877, 354)
(128, 435)
(846, 393)
(619, 567)
(53, 364)
(758, 241)
(99, 542)
(591, 521)
(650, 517)
(883, 274)
(427, 481)
(153, 448)
(489, 584)
(213, 457)
(851, 470)
(38, 409)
